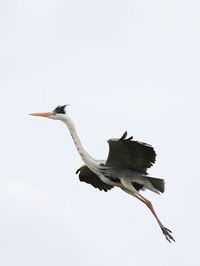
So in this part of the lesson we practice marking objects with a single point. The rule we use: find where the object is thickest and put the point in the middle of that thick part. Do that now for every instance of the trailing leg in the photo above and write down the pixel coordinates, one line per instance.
(165, 230)
(128, 188)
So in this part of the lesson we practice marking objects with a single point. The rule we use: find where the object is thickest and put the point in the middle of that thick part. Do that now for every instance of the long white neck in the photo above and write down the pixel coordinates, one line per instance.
(87, 159)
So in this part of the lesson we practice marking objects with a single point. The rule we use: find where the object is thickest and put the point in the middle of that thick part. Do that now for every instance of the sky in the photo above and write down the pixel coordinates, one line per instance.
(121, 65)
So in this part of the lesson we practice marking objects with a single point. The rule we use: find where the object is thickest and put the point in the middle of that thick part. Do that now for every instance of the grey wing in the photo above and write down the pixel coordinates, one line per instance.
(87, 176)
(134, 155)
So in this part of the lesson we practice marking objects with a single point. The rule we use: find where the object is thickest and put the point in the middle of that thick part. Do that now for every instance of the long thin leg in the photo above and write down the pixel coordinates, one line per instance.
(165, 231)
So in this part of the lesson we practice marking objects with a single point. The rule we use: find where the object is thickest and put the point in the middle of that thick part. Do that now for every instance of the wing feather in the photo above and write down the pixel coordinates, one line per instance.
(126, 153)
(87, 176)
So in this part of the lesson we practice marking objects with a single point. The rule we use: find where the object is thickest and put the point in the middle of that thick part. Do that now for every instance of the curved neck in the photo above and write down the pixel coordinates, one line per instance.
(88, 160)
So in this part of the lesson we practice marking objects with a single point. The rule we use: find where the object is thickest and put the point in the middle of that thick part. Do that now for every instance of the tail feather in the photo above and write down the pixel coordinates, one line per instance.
(157, 183)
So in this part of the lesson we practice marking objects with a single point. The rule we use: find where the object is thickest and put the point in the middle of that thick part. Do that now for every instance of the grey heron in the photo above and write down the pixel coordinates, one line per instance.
(126, 165)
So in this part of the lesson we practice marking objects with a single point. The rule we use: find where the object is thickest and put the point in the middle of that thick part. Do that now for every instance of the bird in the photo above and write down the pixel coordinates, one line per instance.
(125, 167)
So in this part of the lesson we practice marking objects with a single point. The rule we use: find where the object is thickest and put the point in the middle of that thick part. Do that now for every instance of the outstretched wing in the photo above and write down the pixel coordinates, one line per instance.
(87, 176)
(126, 153)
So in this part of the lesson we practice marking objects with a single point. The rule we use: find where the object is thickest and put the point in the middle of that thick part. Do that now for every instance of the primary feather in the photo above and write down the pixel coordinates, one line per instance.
(134, 155)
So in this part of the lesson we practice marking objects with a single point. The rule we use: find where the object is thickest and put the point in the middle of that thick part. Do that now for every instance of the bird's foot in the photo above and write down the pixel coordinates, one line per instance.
(167, 234)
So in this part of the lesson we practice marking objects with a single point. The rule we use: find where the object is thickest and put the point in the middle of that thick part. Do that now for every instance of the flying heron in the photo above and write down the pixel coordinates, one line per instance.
(126, 165)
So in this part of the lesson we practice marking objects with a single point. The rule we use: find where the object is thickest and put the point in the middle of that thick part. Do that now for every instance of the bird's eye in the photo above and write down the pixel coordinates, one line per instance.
(53, 113)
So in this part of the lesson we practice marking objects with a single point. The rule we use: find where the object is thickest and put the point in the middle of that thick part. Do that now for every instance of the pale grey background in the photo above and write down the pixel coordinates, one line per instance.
(123, 65)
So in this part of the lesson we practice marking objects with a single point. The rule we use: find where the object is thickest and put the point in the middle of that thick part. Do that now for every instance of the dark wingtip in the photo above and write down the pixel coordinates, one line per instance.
(78, 170)
(124, 136)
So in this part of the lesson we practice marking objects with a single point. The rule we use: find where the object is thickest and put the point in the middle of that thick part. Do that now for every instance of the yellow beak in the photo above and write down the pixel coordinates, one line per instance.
(42, 114)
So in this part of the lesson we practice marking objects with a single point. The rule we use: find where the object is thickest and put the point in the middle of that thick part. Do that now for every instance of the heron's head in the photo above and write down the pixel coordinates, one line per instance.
(57, 114)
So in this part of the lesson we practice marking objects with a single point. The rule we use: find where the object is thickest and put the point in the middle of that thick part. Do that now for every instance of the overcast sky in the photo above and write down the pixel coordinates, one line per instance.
(122, 65)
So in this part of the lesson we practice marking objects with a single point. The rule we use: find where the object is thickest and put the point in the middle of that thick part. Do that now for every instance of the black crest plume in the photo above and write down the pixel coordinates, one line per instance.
(60, 109)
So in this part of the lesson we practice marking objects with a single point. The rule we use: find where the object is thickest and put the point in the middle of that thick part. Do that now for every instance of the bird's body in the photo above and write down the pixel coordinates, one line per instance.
(126, 165)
